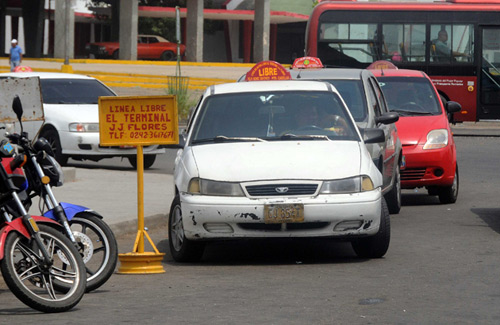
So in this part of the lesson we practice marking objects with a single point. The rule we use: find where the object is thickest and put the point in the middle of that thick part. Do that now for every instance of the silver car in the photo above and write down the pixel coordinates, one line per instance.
(362, 94)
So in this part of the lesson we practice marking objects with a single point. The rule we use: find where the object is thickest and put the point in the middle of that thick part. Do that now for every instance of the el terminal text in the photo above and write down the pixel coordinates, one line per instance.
(143, 122)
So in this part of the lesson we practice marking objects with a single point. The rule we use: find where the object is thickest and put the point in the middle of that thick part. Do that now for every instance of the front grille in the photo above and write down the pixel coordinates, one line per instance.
(288, 226)
(412, 174)
(286, 189)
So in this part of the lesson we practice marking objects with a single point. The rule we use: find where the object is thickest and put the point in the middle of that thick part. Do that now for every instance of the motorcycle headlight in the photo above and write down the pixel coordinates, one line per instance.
(84, 127)
(436, 139)
(53, 170)
(207, 187)
(347, 185)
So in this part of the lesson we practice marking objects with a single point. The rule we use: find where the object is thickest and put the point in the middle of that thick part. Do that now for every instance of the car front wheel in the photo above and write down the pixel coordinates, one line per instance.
(375, 246)
(149, 160)
(393, 197)
(449, 194)
(181, 248)
(167, 56)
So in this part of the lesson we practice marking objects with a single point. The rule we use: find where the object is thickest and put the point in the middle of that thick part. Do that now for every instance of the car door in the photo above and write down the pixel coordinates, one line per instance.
(388, 150)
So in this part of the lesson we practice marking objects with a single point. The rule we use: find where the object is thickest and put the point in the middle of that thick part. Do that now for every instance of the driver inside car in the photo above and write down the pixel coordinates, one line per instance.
(310, 117)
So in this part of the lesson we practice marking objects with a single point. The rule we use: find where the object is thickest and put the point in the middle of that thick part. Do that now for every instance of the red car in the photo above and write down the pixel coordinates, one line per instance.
(430, 158)
(148, 47)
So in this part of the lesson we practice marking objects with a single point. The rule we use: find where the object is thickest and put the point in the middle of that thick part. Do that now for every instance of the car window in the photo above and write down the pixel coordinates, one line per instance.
(353, 95)
(372, 100)
(410, 96)
(152, 40)
(73, 91)
(272, 115)
(380, 96)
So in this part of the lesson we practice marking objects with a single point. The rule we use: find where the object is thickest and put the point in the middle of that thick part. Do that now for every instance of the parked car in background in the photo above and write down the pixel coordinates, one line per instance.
(148, 47)
(364, 98)
(428, 145)
(70, 103)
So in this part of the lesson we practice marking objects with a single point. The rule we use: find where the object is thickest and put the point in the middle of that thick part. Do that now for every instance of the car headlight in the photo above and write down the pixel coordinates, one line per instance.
(347, 185)
(436, 139)
(207, 187)
(84, 127)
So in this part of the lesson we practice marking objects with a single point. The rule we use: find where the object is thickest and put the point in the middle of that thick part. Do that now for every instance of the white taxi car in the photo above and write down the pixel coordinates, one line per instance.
(70, 103)
(261, 160)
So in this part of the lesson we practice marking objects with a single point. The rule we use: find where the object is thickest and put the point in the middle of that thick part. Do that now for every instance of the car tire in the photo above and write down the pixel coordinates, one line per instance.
(375, 246)
(149, 160)
(168, 56)
(393, 197)
(181, 248)
(53, 138)
(116, 54)
(449, 194)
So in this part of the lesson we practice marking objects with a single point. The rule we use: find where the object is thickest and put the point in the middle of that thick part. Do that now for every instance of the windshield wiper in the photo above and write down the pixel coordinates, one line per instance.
(410, 112)
(291, 136)
(223, 138)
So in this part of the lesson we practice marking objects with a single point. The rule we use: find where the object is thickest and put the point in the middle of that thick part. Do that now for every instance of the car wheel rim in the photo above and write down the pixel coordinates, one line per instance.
(177, 230)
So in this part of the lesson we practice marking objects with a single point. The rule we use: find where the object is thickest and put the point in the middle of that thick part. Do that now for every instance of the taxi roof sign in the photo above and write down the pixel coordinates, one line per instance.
(307, 62)
(382, 64)
(268, 70)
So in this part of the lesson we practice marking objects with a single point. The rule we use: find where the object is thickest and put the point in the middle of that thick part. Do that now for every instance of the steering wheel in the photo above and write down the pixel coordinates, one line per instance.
(412, 106)
(309, 128)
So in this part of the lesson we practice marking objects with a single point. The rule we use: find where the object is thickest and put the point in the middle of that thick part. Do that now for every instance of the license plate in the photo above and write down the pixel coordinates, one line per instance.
(283, 213)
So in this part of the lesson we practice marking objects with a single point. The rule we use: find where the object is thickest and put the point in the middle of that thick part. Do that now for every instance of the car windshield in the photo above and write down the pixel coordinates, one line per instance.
(410, 96)
(273, 116)
(353, 95)
(73, 91)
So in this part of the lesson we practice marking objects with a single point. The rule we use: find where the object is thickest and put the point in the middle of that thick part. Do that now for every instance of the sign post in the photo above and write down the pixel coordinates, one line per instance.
(139, 121)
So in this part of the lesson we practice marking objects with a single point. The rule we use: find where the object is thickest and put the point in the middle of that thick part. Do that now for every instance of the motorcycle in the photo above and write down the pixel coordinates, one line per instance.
(93, 238)
(39, 264)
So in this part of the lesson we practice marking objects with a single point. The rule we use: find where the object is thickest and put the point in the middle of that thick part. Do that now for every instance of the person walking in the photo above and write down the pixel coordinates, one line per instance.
(16, 55)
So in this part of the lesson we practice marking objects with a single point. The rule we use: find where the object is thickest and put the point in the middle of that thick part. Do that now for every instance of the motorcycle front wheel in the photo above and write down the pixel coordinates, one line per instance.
(98, 248)
(35, 284)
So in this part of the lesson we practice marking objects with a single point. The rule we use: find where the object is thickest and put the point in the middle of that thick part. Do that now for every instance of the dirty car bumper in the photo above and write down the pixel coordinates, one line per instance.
(340, 215)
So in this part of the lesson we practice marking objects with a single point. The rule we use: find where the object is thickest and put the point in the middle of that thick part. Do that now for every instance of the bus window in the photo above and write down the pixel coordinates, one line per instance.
(405, 42)
(347, 44)
(451, 43)
(490, 70)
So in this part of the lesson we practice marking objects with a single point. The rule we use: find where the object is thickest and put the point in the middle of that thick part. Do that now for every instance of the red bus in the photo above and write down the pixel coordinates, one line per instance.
(456, 42)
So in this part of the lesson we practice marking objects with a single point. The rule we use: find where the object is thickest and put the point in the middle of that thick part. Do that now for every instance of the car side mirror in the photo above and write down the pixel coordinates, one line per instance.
(453, 107)
(372, 135)
(387, 118)
(180, 145)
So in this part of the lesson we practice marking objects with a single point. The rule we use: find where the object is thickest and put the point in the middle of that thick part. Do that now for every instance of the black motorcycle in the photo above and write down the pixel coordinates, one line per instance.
(84, 227)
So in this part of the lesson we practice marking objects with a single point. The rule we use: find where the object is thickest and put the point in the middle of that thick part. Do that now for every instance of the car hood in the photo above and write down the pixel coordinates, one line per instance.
(86, 113)
(303, 160)
(413, 130)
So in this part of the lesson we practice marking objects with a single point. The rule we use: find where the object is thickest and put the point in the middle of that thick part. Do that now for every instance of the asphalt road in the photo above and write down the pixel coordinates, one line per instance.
(442, 267)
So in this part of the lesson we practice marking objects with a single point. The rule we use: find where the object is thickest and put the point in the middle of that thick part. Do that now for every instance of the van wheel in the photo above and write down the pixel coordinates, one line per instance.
(116, 54)
(375, 246)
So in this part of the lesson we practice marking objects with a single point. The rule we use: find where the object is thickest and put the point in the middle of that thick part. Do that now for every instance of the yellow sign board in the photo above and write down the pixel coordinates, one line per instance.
(138, 120)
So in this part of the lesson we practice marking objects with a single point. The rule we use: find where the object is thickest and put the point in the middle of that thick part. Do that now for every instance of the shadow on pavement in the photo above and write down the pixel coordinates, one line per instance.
(271, 252)
(489, 215)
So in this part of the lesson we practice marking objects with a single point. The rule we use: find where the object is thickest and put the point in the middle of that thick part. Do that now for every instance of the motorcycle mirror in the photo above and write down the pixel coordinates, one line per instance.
(17, 106)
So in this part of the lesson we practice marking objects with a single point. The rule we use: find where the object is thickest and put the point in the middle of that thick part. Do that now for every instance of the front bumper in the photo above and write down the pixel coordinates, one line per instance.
(209, 217)
(434, 167)
(87, 144)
